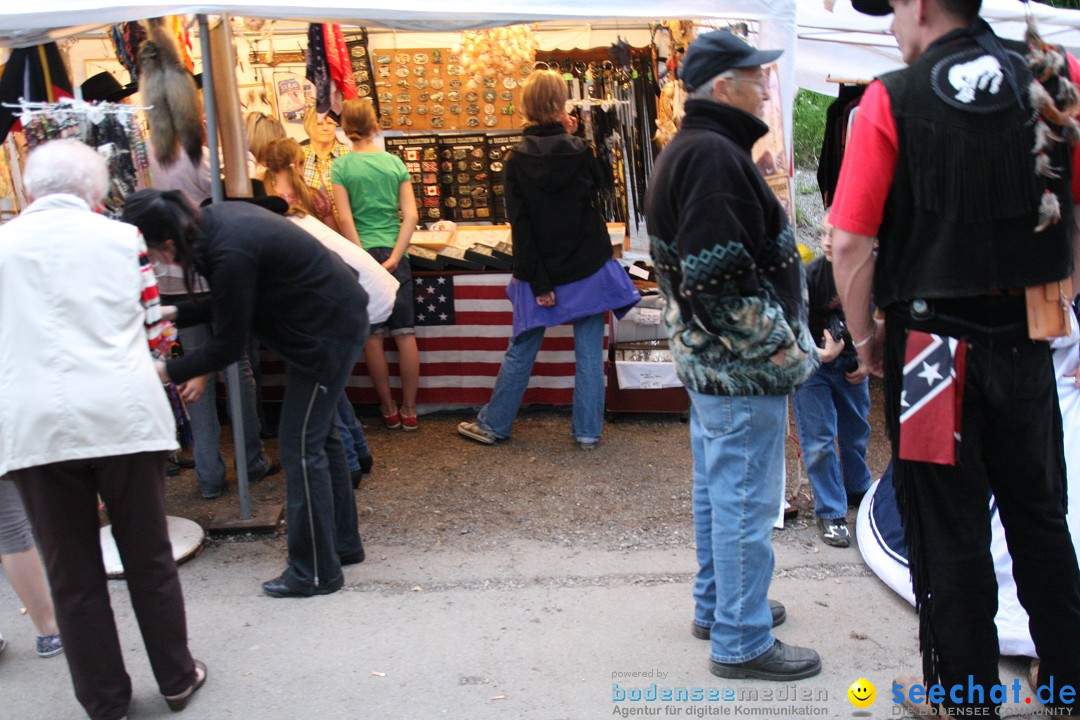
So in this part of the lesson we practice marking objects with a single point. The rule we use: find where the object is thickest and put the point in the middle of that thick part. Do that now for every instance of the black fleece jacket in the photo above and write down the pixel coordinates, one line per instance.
(270, 278)
(559, 234)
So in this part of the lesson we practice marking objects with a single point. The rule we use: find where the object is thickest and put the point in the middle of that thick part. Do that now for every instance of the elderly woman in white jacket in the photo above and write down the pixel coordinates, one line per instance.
(83, 414)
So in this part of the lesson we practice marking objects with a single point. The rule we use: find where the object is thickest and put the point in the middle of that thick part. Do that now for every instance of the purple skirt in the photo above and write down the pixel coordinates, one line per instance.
(609, 288)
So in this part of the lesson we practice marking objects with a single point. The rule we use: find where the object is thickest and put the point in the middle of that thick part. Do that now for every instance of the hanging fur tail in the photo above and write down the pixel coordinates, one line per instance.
(1054, 99)
(175, 116)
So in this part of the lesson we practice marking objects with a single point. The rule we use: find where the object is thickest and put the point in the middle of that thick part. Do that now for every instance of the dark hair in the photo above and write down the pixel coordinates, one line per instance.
(966, 9)
(163, 215)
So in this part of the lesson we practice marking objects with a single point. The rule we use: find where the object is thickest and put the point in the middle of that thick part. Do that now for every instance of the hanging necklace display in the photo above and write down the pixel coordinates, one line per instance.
(112, 129)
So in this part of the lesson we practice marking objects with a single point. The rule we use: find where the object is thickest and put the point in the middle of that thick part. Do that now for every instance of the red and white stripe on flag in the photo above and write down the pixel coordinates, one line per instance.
(459, 362)
(932, 397)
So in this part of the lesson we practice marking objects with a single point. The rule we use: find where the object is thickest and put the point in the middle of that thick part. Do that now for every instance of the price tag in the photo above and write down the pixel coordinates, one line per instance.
(648, 316)
(651, 381)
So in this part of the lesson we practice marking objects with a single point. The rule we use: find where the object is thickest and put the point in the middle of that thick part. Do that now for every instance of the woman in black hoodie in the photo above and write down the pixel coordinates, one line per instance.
(563, 267)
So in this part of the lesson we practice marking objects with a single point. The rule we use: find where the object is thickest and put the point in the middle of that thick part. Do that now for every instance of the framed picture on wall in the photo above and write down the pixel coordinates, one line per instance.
(293, 93)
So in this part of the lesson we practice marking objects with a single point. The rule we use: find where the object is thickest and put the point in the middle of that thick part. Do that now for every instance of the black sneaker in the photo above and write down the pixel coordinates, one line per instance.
(834, 532)
(780, 662)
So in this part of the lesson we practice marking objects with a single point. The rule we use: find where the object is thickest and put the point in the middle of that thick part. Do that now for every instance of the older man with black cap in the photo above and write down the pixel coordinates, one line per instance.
(958, 164)
(736, 314)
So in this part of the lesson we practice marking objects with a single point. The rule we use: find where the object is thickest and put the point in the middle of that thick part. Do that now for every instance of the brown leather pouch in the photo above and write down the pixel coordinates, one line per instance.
(1048, 314)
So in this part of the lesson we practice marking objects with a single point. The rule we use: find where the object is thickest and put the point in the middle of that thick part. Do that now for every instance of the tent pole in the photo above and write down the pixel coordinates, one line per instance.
(232, 373)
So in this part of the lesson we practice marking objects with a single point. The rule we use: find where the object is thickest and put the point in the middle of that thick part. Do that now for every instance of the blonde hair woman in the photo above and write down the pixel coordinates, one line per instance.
(284, 161)
(370, 187)
(563, 268)
(261, 131)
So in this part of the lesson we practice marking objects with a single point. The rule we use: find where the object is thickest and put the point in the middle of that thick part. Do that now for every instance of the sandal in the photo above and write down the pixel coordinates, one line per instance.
(177, 703)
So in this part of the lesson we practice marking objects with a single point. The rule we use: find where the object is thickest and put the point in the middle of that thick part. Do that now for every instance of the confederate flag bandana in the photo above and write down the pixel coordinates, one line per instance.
(932, 398)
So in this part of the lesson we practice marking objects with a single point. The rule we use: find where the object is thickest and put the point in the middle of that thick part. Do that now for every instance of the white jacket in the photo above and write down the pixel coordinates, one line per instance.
(76, 377)
(380, 285)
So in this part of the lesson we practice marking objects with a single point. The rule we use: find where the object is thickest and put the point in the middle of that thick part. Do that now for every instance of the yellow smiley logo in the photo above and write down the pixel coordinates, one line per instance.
(862, 693)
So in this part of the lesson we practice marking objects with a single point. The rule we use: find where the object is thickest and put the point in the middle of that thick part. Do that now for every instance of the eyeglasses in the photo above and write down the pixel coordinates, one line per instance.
(761, 82)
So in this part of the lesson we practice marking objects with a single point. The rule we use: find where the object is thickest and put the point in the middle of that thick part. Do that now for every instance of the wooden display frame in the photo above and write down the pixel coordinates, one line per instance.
(408, 79)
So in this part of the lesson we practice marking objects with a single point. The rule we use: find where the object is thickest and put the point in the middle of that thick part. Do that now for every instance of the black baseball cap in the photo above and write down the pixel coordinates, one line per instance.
(718, 51)
(879, 8)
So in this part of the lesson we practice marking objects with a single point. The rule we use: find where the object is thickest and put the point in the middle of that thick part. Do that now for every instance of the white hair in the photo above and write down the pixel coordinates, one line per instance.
(704, 91)
(66, 166)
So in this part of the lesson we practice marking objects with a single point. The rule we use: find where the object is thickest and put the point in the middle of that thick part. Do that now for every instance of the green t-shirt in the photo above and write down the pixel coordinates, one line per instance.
(372, 180)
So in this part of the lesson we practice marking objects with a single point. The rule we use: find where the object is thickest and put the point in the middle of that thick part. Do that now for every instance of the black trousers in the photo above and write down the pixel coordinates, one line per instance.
(321, 505)
(1011, 446)
(61, 500)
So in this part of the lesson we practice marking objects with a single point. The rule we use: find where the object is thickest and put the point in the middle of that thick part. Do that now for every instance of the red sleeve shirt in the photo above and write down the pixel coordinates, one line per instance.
(870, 160)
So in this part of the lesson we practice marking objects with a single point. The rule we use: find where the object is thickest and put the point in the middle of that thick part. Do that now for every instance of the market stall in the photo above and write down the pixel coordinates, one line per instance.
(451, 113)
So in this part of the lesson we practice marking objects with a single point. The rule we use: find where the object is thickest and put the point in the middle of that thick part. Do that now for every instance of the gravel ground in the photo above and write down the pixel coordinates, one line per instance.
(433, 488)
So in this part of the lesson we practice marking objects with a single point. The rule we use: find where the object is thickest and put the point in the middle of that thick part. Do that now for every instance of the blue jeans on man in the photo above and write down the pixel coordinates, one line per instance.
(831, 412)
(738, 446)
(497, 417)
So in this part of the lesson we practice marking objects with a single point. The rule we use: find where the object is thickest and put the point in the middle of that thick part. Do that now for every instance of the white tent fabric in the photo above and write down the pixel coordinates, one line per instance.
(846, 44)
(841, 43)
(34, 23)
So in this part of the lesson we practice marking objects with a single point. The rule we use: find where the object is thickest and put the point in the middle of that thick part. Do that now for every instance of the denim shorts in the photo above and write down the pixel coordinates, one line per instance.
(402, 316)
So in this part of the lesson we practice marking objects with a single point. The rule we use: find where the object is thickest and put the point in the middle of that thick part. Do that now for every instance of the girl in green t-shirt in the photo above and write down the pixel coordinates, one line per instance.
(370, 186)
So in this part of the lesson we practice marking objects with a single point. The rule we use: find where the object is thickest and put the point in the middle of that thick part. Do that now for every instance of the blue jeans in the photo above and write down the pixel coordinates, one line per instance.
(352, 434)
(497, 417)
(206, 428)
(738, 445)
(830, 410)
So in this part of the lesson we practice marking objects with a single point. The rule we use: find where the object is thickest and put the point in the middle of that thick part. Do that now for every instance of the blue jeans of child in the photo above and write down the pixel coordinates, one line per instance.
(206, 427)
(352, 434)
(738, 445)
(830, 411)
(497, 417)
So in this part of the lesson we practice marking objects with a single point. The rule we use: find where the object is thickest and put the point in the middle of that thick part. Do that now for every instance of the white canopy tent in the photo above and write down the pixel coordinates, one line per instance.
(846, 44)
(46, 20)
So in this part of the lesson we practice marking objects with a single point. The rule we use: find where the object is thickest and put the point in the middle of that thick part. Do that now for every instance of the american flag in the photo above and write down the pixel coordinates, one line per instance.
(932, 397)
(463, 327)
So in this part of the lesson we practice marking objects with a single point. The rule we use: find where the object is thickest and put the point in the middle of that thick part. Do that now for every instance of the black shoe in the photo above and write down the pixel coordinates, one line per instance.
(854, 500)
(780, 662)
(779, 615)
(281, 587)
(835, 532)
(353, 558)
(180, 462)
(274, 469)
(172, 470)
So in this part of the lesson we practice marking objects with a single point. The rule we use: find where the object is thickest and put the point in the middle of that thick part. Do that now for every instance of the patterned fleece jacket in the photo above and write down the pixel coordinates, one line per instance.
(726, 260)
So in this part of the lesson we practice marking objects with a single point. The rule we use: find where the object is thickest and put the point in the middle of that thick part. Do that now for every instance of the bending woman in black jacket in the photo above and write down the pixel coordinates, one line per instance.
(271, 279)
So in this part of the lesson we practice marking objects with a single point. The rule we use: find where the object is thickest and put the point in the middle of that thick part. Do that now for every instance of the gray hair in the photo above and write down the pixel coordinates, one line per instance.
(704, 91)
(66, 166)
